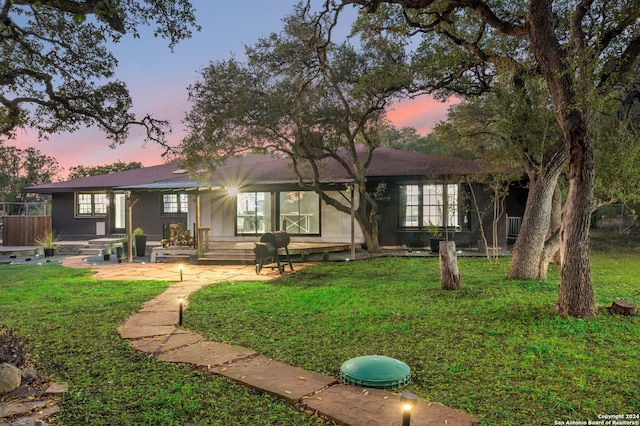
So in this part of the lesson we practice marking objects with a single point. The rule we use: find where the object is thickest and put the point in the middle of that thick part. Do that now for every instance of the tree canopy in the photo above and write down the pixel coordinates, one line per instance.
(582, 50)
(57, 73)
(20, 168)
(81, 171)
(301, 95)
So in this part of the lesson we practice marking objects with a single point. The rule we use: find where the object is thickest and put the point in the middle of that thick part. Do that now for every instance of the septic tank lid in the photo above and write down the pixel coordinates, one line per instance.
(375, 371)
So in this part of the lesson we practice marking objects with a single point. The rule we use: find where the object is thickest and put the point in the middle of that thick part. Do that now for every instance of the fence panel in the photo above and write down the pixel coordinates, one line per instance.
(23, 230)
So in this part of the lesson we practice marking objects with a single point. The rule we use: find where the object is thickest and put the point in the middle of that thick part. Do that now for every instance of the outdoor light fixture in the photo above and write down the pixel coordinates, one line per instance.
(232, 191)
(180, 306)
(408, 400)
(180, 267)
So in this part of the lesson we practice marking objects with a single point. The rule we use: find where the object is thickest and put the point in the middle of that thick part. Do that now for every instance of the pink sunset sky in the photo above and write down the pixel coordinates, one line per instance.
(158, 78)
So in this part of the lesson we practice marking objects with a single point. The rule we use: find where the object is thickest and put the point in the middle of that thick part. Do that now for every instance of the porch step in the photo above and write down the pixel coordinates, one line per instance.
(97, 245)
(238, 256)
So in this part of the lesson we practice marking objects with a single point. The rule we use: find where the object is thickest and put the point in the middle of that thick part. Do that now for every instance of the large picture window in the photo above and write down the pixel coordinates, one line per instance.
(299, 212)
(90, 204)
(174, 203)
(296, 212)
(429, 204)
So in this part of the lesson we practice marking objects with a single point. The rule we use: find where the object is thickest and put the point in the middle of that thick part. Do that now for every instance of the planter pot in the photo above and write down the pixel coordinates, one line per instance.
(119, 252)
(435, 244)
(125, 249)
(106, 257)
(140, 244)
(49, 252)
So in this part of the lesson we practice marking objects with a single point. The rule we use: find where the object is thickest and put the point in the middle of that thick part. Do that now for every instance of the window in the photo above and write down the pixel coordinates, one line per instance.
(174, 203)
(253, 213)
(429, 204)
(92, 204)
(299, 212)
(296, 212)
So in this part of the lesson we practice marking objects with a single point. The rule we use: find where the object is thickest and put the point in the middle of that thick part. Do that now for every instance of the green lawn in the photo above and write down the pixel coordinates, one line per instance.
(69, 321)
(495, 349)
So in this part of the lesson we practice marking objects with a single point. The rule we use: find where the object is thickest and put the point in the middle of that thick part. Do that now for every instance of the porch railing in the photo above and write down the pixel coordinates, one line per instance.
(513, 227)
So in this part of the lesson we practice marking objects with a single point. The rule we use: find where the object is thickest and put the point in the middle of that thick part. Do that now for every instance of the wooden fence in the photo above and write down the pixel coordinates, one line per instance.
(23, 230)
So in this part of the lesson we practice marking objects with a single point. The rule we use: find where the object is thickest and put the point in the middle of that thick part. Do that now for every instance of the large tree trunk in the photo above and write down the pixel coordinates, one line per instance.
(551, 252)
(529, 247)
(370, 230)
(576, 296)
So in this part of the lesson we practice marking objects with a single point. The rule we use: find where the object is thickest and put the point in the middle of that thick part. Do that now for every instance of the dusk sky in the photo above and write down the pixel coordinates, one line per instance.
(157, 80)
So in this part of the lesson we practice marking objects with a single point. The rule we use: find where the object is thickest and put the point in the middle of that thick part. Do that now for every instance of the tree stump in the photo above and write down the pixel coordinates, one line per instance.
(623, 307)
(449, 266)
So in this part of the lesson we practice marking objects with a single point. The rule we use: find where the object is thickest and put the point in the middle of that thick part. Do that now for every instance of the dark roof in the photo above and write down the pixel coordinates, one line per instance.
(144, 175)
(268, 169)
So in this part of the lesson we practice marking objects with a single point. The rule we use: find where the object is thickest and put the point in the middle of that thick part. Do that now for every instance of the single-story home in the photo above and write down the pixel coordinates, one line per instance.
(253, 194)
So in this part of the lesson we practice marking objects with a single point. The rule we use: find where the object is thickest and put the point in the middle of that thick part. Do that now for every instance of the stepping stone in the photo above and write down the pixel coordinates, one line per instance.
(57, 388)
(148, 331)
(274, 377)
(152, 319)
(166, 343)
(9, 409)
(355, 405)
(206, 354)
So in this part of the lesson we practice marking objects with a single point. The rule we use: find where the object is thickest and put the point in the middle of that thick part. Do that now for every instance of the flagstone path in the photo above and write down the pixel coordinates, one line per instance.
(153, 330)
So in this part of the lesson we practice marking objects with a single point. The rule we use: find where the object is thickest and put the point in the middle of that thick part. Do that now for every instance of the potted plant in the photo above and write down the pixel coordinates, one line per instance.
(125, 246)
(140, 241)
(106, 253)
(436, 237)
(48, 241)
(120, 252)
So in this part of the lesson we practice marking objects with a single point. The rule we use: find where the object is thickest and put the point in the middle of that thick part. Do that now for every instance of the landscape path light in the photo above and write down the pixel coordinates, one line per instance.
(180, 267)
(180, 307)
(408, 400)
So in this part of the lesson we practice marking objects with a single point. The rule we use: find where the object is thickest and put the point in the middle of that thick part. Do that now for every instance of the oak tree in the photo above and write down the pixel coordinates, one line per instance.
(305, 96)
(57, 73)
(582, 50)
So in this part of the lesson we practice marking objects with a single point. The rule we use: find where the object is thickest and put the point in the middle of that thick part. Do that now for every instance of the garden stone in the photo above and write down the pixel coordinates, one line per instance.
(10, 378)
(29, 422)
(30, 374)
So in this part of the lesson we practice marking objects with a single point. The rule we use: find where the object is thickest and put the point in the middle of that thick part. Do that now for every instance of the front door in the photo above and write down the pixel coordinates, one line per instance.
(119, 217)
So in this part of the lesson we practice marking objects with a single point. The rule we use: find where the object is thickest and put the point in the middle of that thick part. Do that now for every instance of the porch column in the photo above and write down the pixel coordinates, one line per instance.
(198, 233)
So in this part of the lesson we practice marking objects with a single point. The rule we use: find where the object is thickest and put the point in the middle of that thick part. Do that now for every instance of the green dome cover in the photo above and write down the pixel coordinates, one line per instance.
(375, 371)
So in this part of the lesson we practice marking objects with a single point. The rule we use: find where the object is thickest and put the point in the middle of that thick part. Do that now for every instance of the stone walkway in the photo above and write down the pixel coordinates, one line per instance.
(154, 330)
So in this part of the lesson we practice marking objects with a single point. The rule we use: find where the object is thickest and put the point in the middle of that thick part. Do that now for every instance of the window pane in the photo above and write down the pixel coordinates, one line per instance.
(100, 204)
(253, 212)
(184, 203)
(409, 202)
(453, 220)
(84, 204)
(299, 212)
(432, 205)
(170, 203)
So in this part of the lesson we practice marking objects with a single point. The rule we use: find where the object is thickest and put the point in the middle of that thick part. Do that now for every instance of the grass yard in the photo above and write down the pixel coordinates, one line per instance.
(495, 349)
(69, 321)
